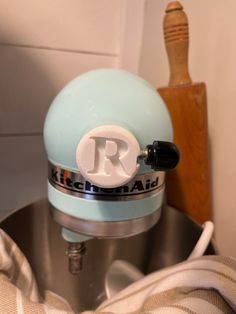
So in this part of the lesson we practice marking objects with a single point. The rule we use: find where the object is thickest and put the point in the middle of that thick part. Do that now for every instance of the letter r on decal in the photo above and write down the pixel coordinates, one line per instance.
(107, 156)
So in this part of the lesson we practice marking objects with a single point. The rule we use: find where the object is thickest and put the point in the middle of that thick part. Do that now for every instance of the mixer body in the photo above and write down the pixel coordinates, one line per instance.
(106, 179)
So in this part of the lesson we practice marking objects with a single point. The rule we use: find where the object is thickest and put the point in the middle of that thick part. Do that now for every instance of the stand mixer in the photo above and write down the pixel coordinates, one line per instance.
(108, 137)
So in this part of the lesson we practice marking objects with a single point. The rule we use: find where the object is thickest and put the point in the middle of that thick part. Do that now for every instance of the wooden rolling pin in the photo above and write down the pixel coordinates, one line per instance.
(188, 187)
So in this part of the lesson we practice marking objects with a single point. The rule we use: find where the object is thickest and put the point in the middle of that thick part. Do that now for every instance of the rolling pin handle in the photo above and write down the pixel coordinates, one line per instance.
(176, 35)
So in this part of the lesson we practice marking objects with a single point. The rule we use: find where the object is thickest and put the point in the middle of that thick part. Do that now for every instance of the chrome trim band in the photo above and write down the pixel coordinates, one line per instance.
(106, 229)
(73, 183)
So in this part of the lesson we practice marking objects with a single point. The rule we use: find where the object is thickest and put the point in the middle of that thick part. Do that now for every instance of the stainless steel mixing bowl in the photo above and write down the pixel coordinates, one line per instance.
(39, 237)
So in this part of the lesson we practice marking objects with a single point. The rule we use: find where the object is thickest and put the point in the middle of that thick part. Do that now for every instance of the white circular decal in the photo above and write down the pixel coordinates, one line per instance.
(107, 156)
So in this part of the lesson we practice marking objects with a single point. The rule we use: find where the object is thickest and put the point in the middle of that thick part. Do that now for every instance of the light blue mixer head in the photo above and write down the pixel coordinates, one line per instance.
(108, 138)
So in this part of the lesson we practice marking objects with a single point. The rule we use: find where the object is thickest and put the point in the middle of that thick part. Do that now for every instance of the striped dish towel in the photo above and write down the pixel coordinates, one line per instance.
(202, 285)
(206, 285)
(18, 289)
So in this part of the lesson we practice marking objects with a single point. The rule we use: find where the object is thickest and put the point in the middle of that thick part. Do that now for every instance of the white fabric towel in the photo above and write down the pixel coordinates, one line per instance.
(202, 285)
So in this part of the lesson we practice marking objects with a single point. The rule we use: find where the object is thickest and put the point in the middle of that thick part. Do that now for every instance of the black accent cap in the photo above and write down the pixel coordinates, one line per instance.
(162, 156)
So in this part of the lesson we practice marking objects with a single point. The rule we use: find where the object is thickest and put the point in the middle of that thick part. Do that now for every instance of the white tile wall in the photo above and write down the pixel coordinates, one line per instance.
(23, 171)
(43, 45)
(30, 79)
(90, 25)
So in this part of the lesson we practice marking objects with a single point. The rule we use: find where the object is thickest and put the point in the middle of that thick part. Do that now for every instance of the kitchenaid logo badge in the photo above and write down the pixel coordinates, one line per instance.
(74, 183)
(107, 156)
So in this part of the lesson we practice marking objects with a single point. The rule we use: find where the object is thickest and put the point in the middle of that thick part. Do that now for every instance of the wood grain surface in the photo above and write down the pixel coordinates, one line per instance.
(189, 185)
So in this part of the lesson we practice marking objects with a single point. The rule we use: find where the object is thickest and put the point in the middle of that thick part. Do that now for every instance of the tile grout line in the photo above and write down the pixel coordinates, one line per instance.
(2, 135)
(104, 54)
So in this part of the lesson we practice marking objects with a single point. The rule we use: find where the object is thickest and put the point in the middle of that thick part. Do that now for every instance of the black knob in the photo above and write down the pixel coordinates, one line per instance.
(162, 156)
